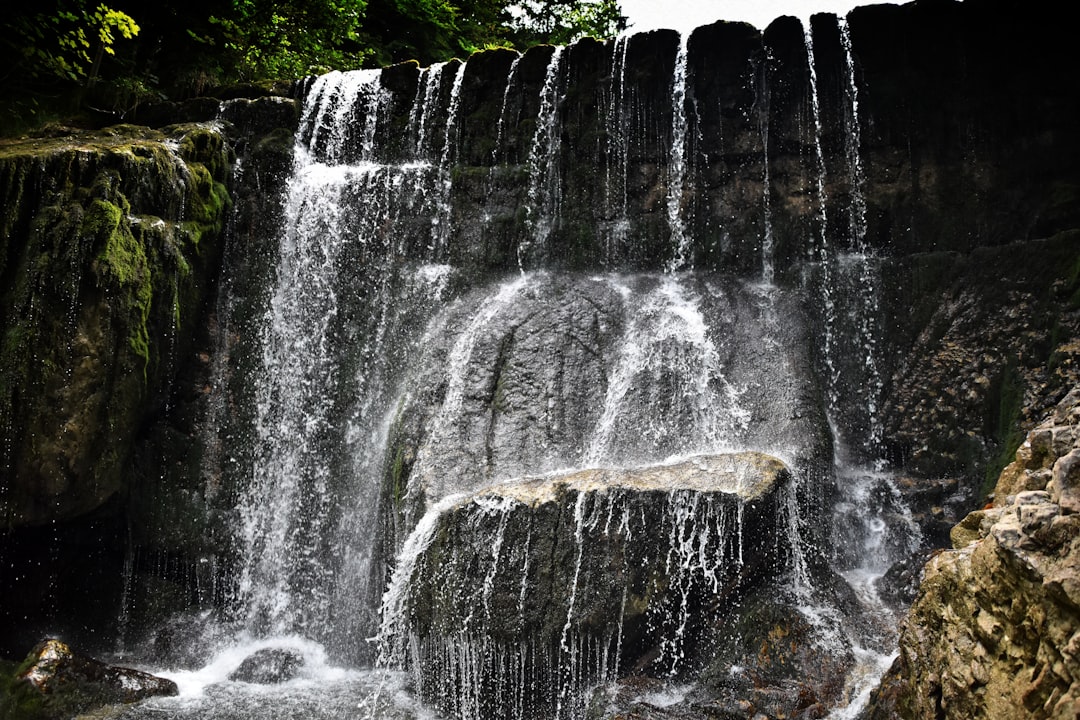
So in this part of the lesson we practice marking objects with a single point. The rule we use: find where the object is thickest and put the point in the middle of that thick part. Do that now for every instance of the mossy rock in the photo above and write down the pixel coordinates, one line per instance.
(108, 237)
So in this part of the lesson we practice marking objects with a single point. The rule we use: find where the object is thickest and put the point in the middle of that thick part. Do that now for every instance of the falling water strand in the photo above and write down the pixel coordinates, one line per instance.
(443, 429)
(423, 106)
(510, 76)
(474, 668)
(441, 222)
(618, 154)
(822, 256)
(867, 295)
(305, 425)
(666, 349)
(680, 241)
(545, 185)
(768, 271)
(394, 609)
(853, 143)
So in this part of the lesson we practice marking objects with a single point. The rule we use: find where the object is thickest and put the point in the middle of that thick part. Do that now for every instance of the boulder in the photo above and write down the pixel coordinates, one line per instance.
(55, 682)
(269, 666)
(510, 601)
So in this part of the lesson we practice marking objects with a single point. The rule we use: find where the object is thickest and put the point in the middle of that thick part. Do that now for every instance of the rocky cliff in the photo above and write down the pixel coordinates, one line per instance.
(111, 256)
(994, 631)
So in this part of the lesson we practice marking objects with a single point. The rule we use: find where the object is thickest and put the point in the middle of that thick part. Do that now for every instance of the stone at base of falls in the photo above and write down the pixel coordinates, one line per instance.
(55, 682)
(995, 629)
(520, 597)
(773, 663)
(269, 666)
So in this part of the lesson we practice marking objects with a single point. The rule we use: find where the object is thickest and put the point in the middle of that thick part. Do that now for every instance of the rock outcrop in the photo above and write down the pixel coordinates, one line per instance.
(269, 666)
(111, 248)
(994, 631)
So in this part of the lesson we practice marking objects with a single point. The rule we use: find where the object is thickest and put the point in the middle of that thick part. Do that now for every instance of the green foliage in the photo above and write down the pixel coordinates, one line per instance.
(70, 56)
(59, 44)
(264, 39)
(564, 21)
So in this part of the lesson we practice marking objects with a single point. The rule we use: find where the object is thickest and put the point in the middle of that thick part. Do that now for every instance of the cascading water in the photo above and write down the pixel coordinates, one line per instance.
(618, 155)
(426, 401)
(680, 242)
(545, 187)
(872, 524)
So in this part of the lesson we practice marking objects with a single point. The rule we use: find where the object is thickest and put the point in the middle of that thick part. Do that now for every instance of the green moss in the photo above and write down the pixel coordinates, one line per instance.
(207, 200)
(123, 264)
(18, 699)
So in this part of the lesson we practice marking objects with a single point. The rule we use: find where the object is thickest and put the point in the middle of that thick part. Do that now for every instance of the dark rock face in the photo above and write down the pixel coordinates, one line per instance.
(54, 682)
(566, 581)
(111, 260)
(550, 371)
(269, 666)
(102, 242)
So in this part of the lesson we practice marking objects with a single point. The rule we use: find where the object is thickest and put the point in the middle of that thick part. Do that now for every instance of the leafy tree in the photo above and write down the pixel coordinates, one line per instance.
(66, 42)
(563, 21)
(52, 54)
(272, 40)
(114, 54)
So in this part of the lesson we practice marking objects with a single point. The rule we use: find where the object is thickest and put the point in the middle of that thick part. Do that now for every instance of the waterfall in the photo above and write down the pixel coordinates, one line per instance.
(872, 525)
(617, 162)
(867, 304)
(441, 221)
(668, 362)
(322, 400)
(768, 269)
(820, 252)
(425, 102)
(495, 155)
(493, 323)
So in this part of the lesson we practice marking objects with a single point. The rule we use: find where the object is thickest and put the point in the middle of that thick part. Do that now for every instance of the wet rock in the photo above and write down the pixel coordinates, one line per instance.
(574, 579)
(778, 660)
(55, 682)
(269, 666)
(549, 355)
(900, 583)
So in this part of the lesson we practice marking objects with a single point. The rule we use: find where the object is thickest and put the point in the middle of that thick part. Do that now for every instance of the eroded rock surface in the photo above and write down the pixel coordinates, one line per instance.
(995, 629)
